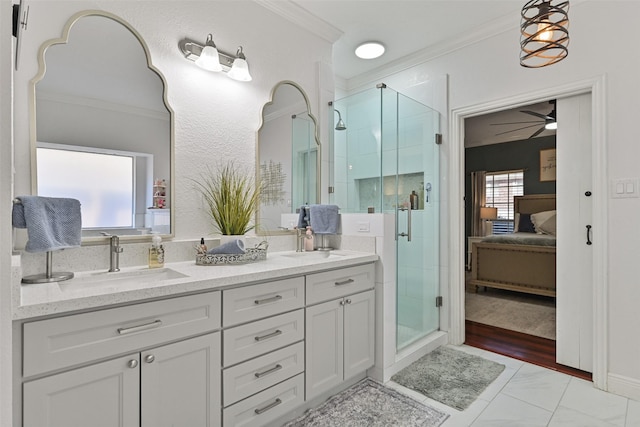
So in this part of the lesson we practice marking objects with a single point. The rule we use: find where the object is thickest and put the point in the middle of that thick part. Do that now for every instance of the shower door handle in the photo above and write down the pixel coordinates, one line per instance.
(408, 233)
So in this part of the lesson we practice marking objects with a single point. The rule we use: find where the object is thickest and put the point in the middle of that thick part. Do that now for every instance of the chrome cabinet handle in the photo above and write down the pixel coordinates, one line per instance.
(269, 406)
(268, 371)
(154, 324)
(150, 358)
(271, 335)
(270, 299)
(344, 282)
(348, 301)
(133, 363)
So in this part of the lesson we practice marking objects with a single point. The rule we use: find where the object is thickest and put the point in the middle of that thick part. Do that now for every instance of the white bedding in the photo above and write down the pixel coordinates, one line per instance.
(522, 239)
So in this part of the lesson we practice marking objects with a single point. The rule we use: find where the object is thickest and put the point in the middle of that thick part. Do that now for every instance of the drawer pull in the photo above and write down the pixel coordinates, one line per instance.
(268, 371)
(271, 335)
(154, 324)
(270, 299)
(269, 406)
(344, 282)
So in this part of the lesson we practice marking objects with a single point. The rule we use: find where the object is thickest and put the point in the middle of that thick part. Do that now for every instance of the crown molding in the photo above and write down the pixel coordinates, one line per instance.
(300, 16)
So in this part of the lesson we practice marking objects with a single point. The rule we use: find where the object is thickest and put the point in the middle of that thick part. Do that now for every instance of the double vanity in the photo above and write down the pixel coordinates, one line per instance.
(237, 345)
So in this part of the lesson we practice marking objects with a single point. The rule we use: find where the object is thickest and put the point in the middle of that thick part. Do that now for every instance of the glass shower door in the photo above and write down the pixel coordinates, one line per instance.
(410, 168)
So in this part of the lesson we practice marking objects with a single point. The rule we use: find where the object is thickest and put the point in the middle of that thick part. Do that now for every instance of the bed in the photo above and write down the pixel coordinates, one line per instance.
(523, 261)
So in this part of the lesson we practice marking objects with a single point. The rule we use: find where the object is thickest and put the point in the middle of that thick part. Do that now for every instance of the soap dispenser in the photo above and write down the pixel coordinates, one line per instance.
(156, 252)
(308, 241)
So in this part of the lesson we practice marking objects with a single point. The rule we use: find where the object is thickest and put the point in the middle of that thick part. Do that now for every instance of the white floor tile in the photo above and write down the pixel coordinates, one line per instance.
(537, 386)
(506, 411)
(633, 413)
(583, 397)
(565, 417)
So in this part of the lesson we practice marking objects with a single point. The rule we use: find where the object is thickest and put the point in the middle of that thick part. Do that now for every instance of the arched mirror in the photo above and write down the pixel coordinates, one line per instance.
(288, 163)
(101, 129)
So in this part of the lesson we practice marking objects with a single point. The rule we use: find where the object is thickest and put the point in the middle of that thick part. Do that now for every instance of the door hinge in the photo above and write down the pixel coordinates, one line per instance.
(438, 139)
(439, 301)
(331, 189)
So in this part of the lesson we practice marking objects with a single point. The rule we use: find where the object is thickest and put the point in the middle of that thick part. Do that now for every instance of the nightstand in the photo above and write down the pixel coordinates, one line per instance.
(470, 241)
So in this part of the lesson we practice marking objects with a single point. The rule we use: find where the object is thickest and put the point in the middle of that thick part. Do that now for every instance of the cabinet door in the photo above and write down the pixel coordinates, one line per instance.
(105, 394)
(324, 347)
(359, 312)
(181, 383)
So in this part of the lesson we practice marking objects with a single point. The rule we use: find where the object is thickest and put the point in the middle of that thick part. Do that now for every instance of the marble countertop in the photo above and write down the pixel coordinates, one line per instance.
(97, 289)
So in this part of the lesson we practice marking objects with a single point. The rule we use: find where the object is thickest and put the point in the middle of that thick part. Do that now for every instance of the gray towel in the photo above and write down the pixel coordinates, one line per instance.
(324, 219)
(235, 247)
(51, 223)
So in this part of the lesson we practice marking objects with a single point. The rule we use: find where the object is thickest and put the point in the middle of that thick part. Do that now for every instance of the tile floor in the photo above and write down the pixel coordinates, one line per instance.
(528, 395)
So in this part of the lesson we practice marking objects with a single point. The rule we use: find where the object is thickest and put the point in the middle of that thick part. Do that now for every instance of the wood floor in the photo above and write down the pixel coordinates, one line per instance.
(529, 348)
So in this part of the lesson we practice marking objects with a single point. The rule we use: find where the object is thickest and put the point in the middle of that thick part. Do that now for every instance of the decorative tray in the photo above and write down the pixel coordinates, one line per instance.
(259, 253)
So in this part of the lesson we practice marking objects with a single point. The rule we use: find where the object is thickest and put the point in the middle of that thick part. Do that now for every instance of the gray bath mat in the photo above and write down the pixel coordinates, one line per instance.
(452, 377)
(370, 404)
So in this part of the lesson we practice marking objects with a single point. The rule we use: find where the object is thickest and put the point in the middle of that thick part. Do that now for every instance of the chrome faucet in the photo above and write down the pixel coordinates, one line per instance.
(114, 251)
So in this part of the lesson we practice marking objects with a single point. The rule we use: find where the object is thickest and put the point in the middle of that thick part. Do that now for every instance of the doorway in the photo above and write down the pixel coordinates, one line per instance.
(600, 191)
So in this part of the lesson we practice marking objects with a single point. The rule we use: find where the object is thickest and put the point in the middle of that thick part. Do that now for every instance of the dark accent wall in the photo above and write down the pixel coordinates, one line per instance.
(506, 156)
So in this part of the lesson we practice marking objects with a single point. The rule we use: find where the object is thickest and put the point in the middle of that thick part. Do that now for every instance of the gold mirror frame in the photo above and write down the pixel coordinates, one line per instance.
(259, 229)
(64, 39)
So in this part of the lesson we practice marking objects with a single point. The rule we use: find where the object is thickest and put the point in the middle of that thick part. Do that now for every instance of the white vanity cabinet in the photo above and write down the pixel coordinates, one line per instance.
(152, 364)
(339, 332)
(263, 351)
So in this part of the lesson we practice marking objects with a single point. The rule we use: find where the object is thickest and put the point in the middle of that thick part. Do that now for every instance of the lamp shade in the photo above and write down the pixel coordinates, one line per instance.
(240, 70)
(209, 58)
(488, 213)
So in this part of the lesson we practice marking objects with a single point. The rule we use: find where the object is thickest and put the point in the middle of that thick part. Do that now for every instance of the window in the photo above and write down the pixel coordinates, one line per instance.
(501, 187)
(102, 182)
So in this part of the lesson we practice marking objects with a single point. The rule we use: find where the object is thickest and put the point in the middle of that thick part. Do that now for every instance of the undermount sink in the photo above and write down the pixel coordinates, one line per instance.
(314, 254)
(124, 277)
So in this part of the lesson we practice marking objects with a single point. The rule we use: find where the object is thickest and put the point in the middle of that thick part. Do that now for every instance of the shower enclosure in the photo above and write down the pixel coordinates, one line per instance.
(386, 161)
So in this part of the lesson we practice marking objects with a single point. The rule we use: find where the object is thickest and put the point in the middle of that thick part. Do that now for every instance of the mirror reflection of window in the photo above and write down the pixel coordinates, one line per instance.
(104, 183)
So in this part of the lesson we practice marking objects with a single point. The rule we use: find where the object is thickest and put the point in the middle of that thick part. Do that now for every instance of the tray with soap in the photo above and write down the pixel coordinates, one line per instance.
(240, 255)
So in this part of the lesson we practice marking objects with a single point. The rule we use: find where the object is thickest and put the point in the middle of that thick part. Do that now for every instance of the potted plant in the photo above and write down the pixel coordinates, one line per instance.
(232, 198)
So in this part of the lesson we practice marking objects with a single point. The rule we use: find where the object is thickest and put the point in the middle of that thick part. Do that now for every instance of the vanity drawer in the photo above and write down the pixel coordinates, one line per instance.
(70, 340)
(241, 305)
(256, 338)
(339, 283)
(266, 406)
(261, 373)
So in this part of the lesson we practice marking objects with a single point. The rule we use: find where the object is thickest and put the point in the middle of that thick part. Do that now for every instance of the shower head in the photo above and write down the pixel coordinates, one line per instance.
(340, 125)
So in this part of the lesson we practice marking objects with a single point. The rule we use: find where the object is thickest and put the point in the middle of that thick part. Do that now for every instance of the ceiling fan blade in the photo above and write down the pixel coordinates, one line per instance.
(513, 123)
(533, 113)
(538, 132)
(515, 130)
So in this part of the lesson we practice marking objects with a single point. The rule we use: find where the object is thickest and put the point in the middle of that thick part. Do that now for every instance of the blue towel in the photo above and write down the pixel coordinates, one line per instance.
(51, 223)
(303, 219)
(235, 247)
(324, 219)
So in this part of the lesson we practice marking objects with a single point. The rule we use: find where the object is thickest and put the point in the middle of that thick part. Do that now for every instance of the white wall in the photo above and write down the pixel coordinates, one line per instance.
(600, 46)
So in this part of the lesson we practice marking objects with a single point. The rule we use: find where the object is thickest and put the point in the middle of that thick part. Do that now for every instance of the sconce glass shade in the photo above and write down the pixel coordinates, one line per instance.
(545, 34)
(240, 68)
(209, 58)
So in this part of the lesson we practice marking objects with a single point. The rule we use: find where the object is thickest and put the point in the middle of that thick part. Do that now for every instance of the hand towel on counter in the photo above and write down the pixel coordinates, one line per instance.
(235, 247)
(51, 223)
(324, 219)
(303, 219)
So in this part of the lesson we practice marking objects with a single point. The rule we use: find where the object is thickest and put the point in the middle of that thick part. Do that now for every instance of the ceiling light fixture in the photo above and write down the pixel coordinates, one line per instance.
(210, 58)
(370, 50)
(545, 34)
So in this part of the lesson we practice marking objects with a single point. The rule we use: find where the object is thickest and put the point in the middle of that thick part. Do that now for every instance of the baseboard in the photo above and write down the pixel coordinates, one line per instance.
(624, 386)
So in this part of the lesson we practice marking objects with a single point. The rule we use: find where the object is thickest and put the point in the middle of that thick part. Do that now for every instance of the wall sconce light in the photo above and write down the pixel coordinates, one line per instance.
(210, 58)
(545, 33)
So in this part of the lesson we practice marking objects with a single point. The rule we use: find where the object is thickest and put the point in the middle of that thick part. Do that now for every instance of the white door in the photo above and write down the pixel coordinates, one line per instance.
(574, 301)
(359, 321)
(324, 347)
(105, 394)
(181, 383)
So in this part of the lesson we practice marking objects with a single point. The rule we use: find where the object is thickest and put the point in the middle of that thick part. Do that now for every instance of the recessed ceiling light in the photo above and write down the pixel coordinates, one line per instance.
(370, 50)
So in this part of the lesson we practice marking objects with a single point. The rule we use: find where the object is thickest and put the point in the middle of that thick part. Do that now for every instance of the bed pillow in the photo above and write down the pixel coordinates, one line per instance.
(544, 222)
(524, 224)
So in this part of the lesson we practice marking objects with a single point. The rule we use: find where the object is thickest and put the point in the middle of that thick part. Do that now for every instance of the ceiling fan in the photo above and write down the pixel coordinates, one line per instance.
(544, 122)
